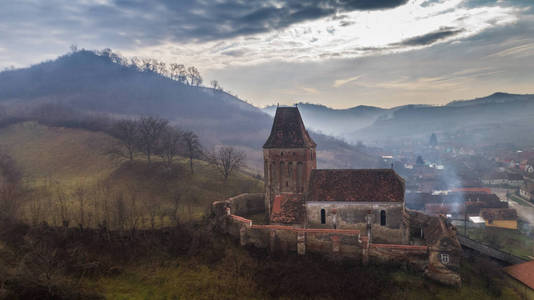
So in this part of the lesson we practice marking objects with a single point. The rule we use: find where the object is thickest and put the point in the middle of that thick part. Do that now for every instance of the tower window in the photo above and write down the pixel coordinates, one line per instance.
(383, 218)
(323, 216)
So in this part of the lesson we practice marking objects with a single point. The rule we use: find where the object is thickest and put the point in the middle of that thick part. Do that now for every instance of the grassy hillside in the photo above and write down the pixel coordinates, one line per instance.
(64, 154)
(69, 177)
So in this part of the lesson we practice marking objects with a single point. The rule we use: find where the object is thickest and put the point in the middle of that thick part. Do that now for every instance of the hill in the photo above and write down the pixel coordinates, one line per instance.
(494, 119)
(67, 176)
(94, 82)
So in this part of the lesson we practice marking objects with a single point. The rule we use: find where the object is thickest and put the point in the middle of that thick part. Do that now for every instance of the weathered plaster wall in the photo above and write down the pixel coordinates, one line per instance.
(352, 215)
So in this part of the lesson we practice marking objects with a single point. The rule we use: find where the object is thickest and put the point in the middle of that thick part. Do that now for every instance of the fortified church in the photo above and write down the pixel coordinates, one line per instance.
(296, 192)
(340, 213)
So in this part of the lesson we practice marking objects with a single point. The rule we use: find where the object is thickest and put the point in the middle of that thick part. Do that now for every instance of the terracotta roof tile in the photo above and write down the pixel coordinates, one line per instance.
(288, 130)
(523, 272)
(358, 185)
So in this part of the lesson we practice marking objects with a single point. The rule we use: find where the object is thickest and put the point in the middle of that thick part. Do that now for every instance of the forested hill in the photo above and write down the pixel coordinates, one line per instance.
(86, 80)
(101, 81)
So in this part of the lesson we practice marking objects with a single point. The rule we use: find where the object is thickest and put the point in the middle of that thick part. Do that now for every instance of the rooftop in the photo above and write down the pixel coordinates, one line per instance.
(356, 185)
(288, 130)
(498, 214)
(523, 272)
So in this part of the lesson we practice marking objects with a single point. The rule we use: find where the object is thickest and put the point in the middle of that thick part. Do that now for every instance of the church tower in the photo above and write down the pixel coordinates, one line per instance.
(289, 157)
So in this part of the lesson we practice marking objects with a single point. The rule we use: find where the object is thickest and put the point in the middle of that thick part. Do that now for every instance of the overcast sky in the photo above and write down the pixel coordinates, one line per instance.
(340, 53)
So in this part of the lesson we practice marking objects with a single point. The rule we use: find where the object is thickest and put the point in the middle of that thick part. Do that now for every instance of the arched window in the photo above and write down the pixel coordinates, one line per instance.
(383, 217)
(282, 167)
(323, 216)
(289, 169)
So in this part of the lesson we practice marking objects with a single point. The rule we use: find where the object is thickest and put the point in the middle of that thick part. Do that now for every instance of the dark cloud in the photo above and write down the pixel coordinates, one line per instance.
(147, 22)
(430, 38)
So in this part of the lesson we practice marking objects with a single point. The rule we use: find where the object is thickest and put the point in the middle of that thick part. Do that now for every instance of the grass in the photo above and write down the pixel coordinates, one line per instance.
(507, 240)
(63, 167)
(192, 278)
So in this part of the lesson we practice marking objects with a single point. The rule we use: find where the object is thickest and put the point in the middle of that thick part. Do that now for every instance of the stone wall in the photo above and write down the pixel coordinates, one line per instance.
(352, 215)
(345, 243)
(242, 205)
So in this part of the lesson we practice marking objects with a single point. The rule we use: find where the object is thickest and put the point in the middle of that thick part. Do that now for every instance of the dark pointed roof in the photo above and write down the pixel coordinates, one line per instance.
(288, 130)
(357, 185)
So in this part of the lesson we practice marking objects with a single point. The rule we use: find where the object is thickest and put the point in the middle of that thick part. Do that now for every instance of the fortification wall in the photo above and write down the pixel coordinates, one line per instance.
(337, 243)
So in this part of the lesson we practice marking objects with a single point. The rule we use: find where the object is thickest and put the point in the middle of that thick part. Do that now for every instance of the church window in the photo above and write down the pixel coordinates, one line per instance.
(444, 258)
(289, 169)
(383, 218)
(281, 174)
(323, 216)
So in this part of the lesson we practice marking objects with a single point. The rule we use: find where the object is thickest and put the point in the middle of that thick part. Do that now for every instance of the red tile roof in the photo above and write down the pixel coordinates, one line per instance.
(357, 185)
(288, 130)
(523, 272)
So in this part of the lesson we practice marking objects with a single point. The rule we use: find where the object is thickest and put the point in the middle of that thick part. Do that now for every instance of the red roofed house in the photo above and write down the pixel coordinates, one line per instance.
(298, 193)
(522, 278)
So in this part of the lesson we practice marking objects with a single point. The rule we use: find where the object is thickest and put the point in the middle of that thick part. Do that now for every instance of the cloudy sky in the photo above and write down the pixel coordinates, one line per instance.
(340, 53)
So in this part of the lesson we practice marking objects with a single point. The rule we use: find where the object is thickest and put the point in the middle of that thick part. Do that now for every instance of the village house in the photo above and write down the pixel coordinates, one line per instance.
(504, 178)
(527, 190)
(500, 217)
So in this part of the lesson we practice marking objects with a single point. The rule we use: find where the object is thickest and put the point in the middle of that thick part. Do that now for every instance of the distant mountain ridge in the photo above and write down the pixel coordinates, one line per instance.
(502, 117)
(86, 81)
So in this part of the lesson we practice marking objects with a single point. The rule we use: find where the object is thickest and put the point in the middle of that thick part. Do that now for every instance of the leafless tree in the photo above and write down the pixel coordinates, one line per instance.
(178, 72)
(150, 131)
(227, 160)
(176, 200)
(10, 189)
(127, 134)
(216, 86)
(80, 193)
(194, 76)
(169, 144)
(192, 146)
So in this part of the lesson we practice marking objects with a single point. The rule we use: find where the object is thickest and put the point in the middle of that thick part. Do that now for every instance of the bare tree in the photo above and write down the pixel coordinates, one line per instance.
(127, 134)
(192, 147)
(150, 131)
(216, 86)
(227, 160)
(178, 72)
(80, 193)
(10, 189)
(176, 200)
(194, 76)
(169, 145)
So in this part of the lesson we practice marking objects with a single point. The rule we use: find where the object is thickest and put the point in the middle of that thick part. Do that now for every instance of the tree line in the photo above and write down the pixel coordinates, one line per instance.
(151, 136)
